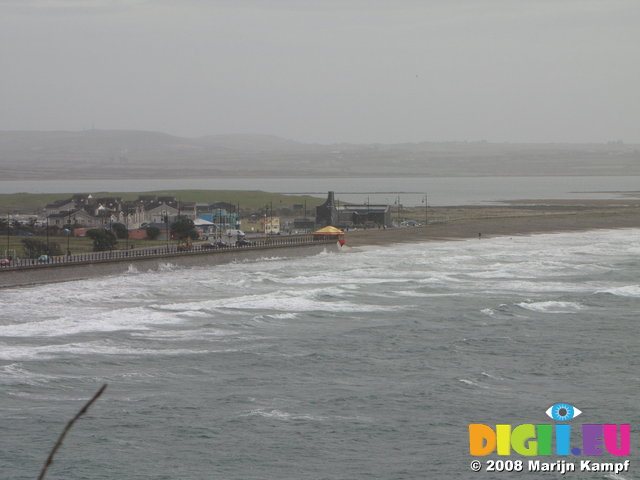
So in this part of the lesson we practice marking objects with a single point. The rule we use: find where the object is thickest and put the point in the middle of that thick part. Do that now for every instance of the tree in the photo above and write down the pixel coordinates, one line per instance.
(120, 230)
(102, 239)
(152, 232)
(33, 248)
(184, 228)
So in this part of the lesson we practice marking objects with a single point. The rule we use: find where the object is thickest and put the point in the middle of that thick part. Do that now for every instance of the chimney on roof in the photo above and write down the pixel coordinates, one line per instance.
(331, 199)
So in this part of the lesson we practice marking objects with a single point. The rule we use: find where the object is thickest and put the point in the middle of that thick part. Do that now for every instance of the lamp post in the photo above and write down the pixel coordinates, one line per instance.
(165, 217)
(264, 224)
(126, 225)
(68, 232)
(8, 224)
(426, 210)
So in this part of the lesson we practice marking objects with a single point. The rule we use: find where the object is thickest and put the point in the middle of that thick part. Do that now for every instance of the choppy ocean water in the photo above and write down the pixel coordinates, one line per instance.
(368, 364)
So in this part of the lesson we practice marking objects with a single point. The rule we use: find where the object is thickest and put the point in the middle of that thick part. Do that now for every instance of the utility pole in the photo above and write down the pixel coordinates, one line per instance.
(264, 223)
(426, 210)
(126, 225)
(68, 233)
(8, 223)
(166, 225)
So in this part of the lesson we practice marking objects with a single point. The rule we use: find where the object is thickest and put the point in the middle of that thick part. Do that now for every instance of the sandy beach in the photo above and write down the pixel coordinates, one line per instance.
(516, 218)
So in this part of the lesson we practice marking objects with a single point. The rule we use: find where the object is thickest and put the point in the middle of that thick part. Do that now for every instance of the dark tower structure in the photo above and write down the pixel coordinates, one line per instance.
(327, 213)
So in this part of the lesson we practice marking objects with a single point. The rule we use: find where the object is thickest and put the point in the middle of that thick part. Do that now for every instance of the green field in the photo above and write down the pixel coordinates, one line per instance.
(77, 245)
(31, 203)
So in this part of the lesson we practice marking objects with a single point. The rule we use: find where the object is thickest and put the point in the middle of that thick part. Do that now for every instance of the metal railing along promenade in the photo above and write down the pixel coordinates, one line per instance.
(164, 252)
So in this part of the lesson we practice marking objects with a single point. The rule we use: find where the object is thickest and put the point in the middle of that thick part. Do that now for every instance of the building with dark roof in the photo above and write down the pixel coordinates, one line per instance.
(344, 216)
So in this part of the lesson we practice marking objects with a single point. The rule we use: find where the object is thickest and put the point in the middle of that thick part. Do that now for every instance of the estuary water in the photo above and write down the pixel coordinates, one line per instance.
(363, 364)
(410, 191)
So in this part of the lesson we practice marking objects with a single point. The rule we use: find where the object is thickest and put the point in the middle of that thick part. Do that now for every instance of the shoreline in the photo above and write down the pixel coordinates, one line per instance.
(445, 224)
(504, 226)
(64, 272)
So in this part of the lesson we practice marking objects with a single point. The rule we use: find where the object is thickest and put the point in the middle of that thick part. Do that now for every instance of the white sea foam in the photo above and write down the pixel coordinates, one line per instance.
(132, 269)
(167, 267)
(44, 352)
(616, 476)
(283, 300)
(138, 318)
(552, 307)
(270, 259)
(467, 382)
(184, 335)
(626, 291)
(15, 373)
(283, 316)
(280, 415)
(413, 293)
(471, 383)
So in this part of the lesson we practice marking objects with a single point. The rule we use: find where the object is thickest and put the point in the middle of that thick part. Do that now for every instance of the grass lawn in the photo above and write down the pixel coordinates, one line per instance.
(30, 203)
(76, 244)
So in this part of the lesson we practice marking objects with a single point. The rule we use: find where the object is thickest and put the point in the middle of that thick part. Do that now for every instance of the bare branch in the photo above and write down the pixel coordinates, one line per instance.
(66, 429)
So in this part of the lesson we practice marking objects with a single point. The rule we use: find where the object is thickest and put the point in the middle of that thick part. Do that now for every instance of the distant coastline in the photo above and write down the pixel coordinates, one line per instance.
(114, 154)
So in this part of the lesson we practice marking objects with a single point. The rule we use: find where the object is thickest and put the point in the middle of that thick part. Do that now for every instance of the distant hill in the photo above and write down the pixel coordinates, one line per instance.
(139, 154)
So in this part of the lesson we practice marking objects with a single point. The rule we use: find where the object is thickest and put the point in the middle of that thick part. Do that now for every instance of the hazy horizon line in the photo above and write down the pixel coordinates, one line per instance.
(337, 142)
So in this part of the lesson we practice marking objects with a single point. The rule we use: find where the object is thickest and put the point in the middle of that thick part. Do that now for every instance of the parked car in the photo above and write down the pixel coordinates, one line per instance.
(221, 244)
(5, 262)
(43, 259)
(208, 246)
(243, 243)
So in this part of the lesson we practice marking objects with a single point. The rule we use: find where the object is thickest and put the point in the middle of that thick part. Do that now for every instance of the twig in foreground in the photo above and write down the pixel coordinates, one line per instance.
(66, 429)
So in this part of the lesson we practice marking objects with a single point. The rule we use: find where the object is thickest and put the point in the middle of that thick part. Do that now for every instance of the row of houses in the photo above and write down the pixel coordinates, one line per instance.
(88, 212)
(101, 212)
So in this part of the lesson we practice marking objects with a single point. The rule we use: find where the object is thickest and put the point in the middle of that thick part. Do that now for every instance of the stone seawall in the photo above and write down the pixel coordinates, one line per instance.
(78, 271)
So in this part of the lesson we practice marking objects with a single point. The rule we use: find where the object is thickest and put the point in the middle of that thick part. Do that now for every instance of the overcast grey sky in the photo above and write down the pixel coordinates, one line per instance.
(326, 71)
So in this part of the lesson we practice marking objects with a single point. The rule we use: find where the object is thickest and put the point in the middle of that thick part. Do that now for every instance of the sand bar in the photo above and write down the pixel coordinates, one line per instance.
(517, 218)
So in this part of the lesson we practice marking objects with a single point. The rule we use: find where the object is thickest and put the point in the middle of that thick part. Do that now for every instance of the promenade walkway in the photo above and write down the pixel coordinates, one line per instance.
(160, 252)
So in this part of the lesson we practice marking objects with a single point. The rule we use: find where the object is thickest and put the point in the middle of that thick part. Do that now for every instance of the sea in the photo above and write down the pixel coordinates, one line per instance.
(364, 363)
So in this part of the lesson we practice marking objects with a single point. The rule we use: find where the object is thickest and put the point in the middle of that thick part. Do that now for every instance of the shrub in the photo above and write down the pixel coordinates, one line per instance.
(102, 239)
(33, 248)
(152, 232)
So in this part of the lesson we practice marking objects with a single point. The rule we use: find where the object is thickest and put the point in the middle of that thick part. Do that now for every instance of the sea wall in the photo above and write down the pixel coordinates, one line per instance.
(63, 272)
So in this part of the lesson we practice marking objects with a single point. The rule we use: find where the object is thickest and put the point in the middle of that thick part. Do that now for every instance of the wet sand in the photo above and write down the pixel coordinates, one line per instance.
(517, 218)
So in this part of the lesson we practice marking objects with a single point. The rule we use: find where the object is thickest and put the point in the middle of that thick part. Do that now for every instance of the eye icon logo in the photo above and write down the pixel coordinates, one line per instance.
(563, 412)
